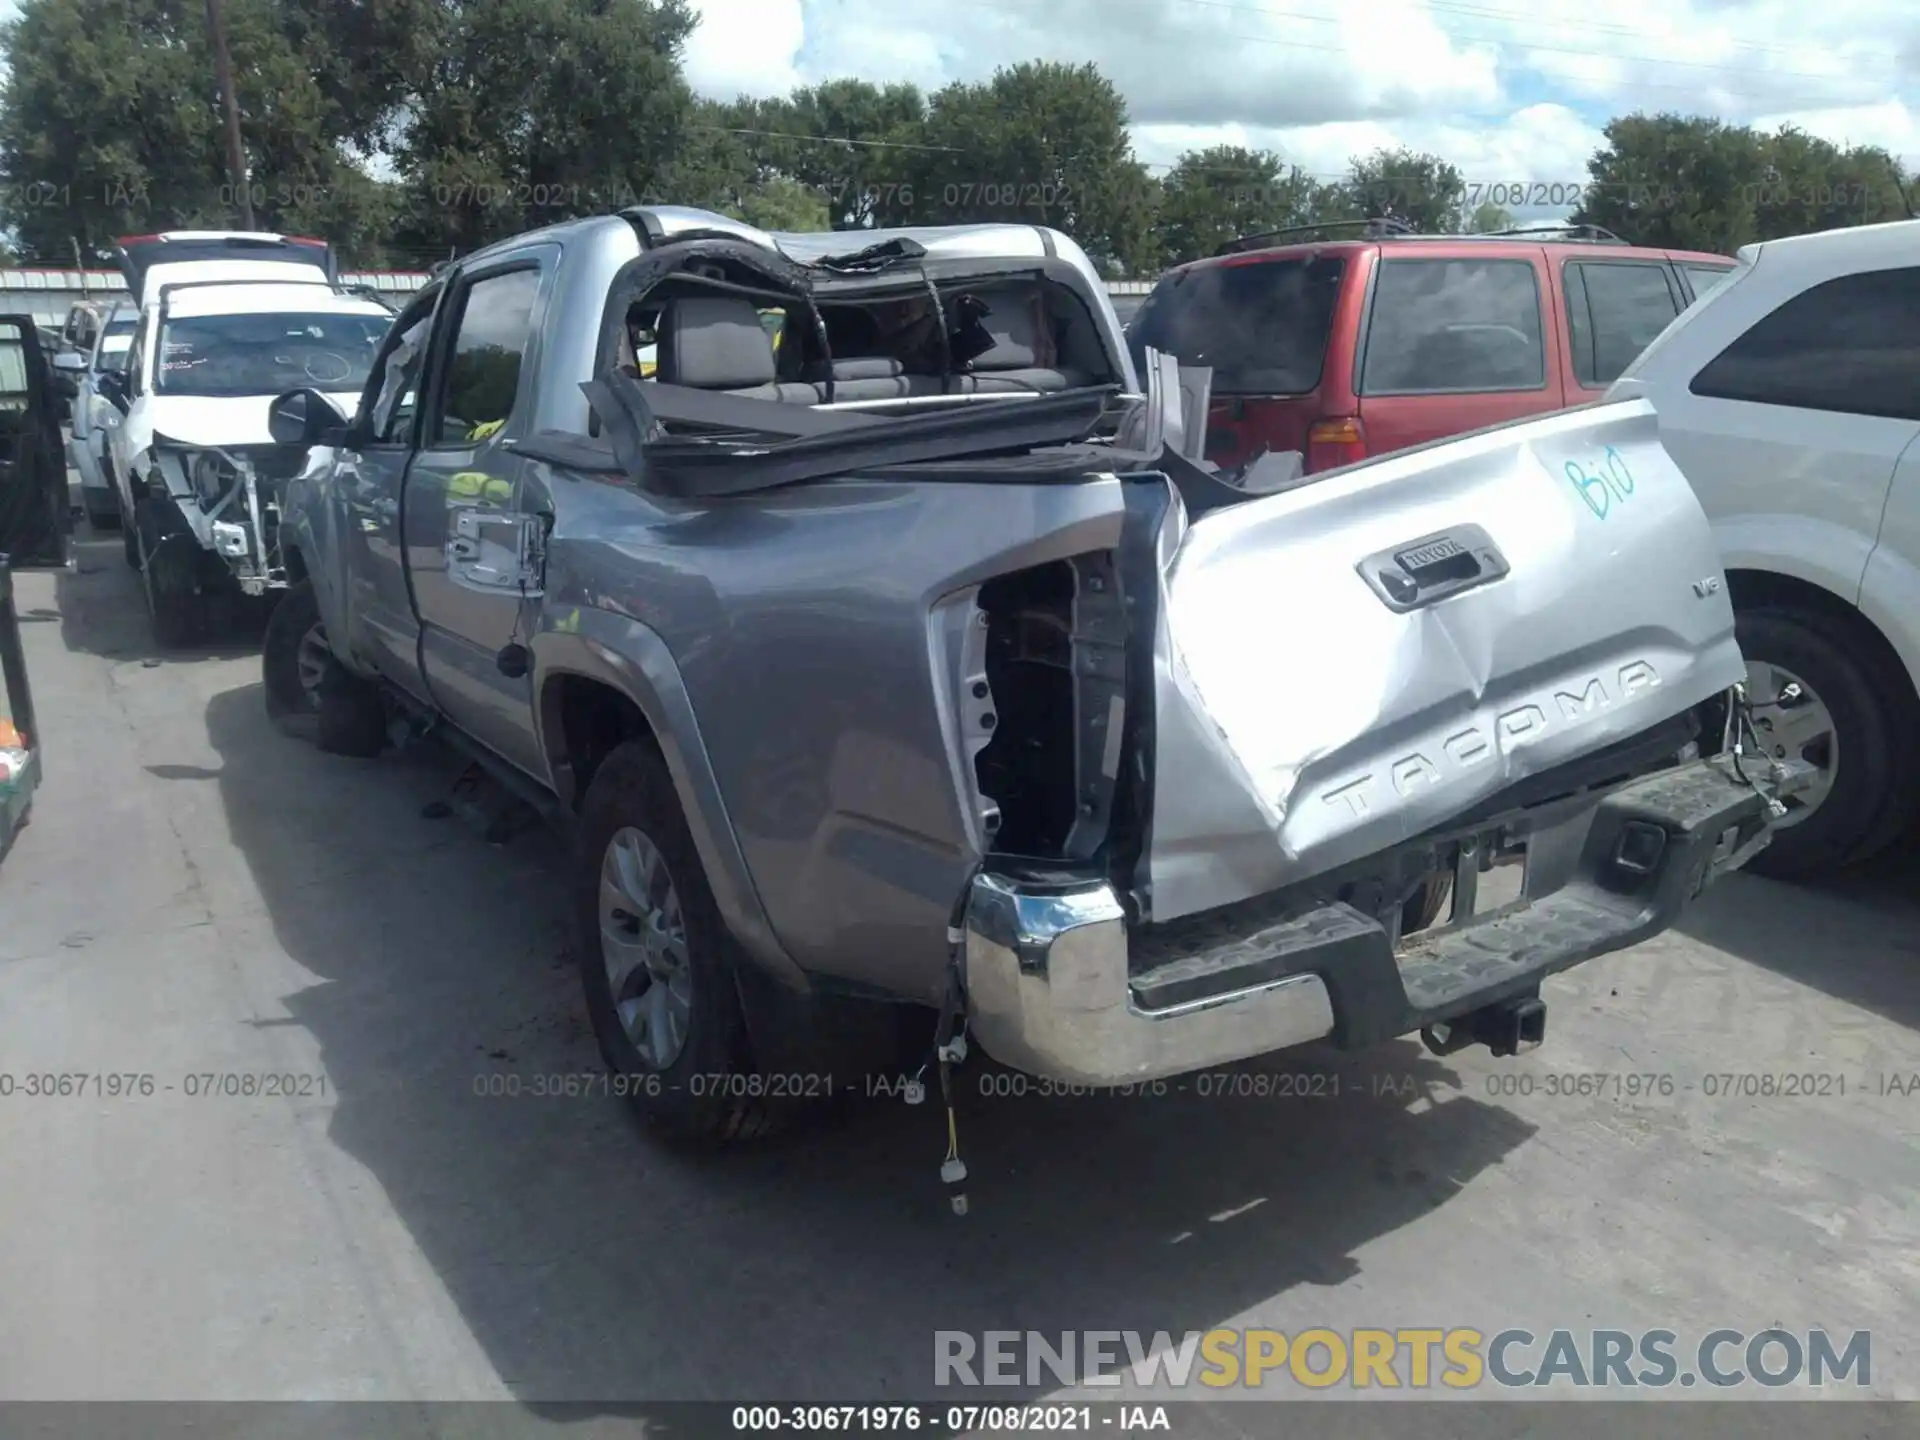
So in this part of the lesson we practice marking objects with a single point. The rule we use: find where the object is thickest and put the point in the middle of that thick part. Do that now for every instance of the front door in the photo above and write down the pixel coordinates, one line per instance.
(369, 479)
(472, 535)
(33, 472)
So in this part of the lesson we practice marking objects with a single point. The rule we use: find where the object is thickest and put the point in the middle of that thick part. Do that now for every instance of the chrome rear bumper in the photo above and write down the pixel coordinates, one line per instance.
(1058, 986)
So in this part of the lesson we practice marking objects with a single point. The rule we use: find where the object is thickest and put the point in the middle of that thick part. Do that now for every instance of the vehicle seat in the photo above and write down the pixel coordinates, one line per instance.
(1021, 360)
(873, 377)
(716, 342)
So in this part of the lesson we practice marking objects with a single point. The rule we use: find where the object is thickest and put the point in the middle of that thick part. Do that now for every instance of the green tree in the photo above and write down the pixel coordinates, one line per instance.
(1690, 183)
(1217, 195)
(1421, 189)
(847, 141)
(534, 111)
(1808, 184)
(1488, 218)
(110, 122)
(1038, 144)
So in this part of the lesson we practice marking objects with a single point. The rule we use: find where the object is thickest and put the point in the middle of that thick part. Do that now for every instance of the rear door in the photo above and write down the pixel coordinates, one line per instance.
(465, 508)
(1792, 434)
(1452, 342)
(1267, 328)
(1615, 308)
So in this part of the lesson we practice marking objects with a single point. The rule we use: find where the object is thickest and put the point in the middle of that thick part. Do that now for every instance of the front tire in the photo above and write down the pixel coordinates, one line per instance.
(102, 515)
(309, 694)
(1817, 697)
(656, 960)
(167, 580)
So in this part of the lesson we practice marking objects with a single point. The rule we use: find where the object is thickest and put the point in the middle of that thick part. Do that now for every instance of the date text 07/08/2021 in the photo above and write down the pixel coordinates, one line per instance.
(948, 1419)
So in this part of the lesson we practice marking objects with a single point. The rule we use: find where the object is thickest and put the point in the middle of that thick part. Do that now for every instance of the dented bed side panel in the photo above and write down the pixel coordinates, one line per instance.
(1345, 665)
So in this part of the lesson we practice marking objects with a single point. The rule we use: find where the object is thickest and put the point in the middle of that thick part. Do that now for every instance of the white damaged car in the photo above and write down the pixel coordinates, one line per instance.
(227, 322)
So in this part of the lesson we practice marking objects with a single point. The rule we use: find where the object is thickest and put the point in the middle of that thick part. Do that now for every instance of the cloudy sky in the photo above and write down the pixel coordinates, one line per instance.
(1506, 89)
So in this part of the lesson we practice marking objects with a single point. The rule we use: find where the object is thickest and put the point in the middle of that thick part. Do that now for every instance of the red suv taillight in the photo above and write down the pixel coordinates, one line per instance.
(1335, 442)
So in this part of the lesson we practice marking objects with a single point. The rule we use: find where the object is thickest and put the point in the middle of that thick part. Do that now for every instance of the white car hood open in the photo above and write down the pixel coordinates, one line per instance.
(1302, 721)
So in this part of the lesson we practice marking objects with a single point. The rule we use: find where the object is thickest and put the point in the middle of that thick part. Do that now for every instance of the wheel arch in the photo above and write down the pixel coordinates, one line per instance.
(1766, 589)
(606, 679)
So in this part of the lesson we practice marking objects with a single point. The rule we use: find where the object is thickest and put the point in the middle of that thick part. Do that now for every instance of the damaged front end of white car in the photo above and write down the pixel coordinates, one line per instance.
(1395, 743)
(228, 500)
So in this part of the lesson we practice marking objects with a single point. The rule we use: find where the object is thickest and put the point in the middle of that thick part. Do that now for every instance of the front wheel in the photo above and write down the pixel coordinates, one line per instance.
(167, 580)
(1818, 697)
(309, 694)
(654, 958)
(102, 514)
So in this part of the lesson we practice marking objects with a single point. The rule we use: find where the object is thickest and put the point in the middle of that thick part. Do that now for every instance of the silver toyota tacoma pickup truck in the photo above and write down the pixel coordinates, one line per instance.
(883, 651)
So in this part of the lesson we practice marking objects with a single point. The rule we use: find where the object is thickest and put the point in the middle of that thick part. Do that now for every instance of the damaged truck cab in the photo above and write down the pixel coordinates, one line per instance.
(885, 650)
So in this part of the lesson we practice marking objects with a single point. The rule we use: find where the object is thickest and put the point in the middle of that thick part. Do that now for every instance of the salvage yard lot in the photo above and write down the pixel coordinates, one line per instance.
(198, 898)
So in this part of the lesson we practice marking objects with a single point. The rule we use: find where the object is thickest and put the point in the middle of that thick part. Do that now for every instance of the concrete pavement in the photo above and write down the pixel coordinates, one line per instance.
(198, 898)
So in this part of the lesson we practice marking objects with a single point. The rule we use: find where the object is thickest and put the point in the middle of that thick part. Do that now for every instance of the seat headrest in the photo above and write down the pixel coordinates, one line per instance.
(1020, 339)
(715, 342)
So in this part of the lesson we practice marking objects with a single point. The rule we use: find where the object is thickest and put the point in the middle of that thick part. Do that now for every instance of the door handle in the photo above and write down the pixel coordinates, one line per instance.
(1417, 573)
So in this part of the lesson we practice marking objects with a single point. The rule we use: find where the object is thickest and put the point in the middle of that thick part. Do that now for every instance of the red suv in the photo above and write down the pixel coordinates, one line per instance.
(1342, 349)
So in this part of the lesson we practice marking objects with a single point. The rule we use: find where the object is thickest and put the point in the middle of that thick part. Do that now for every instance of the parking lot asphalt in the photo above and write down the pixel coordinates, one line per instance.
(199, 898)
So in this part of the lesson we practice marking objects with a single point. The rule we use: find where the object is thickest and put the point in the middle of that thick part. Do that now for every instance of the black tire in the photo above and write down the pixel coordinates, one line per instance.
(167, 579)
(129, 531)
(101, 515)
(1873, 798)
(335, 709)
(704, 1095)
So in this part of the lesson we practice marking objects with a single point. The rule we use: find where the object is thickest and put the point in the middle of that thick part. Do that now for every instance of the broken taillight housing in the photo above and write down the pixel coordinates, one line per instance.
(1340, 440)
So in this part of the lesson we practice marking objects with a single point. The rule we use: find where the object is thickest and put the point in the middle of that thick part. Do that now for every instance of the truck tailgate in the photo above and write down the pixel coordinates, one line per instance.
(1348, 664)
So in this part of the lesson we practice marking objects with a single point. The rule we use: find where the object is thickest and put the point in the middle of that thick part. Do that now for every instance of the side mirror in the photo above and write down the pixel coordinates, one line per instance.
(70, 360)
(116, 386)
(303, 417)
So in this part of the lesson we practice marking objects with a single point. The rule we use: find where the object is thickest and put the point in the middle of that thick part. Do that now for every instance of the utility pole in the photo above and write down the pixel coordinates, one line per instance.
(236, 153)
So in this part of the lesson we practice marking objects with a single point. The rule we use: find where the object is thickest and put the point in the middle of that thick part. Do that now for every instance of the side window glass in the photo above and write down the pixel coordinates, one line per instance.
(137, 357)
(1628, 304)
(1704, 277)
(1448, 326)
(398, 377)
(1845, 346)
(484, 363)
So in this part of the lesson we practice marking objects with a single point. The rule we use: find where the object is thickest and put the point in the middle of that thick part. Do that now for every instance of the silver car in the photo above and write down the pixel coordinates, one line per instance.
(899, 657)
(94, 416)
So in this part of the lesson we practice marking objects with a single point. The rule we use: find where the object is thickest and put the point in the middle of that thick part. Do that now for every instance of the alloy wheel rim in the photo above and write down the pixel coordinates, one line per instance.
(1794, 723)
(310, 661)
(643, 945)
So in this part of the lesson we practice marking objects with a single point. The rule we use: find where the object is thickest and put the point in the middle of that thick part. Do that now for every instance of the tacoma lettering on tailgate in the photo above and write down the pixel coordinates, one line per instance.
(1449, 756)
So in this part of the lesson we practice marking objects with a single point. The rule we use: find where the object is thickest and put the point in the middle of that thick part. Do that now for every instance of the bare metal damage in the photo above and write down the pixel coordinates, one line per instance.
(1304, 719)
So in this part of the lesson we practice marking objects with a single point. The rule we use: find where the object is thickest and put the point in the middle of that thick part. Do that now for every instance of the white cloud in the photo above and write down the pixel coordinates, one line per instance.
(746, 47)
(1508, 90)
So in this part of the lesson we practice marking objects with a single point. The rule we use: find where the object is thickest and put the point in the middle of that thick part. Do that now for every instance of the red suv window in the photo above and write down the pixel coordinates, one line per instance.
(1262, 326)
(1440, 326)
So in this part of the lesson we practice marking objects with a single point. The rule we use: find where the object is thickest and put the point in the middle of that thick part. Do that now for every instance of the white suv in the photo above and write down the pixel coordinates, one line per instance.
(227, 322)
(1790, 397)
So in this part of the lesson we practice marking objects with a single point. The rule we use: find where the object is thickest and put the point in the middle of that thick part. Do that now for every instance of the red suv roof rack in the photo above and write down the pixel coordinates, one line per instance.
(1380, 227)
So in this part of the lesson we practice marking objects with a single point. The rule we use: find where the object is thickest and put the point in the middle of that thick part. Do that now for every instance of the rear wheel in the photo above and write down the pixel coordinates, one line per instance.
(655, 960)
(1817, 696)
